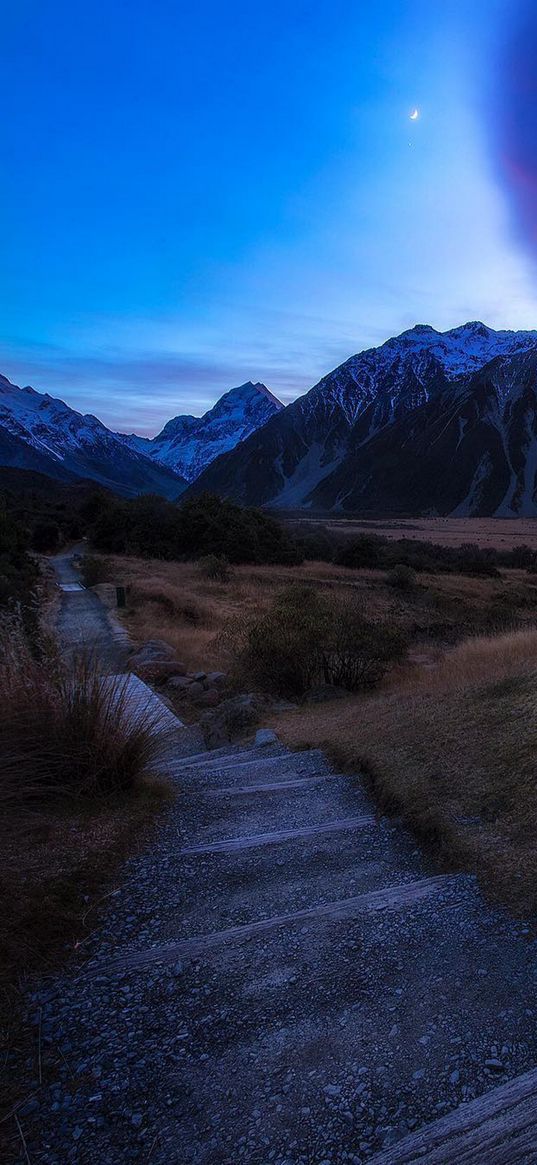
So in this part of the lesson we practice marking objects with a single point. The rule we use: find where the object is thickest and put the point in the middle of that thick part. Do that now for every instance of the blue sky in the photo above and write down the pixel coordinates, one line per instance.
(196, 195)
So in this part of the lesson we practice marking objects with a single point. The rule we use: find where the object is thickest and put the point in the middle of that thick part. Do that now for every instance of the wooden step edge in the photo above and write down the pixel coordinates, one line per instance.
(257, 756)
(234, 844)
(499, 1128)
(398, 897)
(272, 787)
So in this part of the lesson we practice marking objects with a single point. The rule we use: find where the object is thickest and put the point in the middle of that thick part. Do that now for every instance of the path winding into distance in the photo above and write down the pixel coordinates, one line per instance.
(82, 619)
(282, 978)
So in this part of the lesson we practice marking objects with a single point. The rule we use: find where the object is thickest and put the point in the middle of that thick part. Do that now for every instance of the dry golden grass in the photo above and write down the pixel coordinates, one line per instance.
(171, 601)
(451, 749)
(449, 740)
(478, 660)
(79, 782)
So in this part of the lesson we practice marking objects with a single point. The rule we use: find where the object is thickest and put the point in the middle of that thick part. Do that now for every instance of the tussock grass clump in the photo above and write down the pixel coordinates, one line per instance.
(65, 731)
(480, 660)
(80, 783)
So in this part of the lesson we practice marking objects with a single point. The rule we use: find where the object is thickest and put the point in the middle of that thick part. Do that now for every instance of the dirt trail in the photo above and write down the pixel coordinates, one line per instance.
(82, 620)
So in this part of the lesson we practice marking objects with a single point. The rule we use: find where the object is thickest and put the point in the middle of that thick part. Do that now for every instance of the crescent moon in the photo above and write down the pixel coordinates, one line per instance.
(414, 115)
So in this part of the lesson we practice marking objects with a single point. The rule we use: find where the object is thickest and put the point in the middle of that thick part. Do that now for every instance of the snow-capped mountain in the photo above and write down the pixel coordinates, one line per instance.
(428, 422)
(189, 444)
(39, 432)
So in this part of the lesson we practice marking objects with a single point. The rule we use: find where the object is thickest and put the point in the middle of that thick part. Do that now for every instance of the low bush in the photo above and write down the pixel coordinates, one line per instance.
(401, 577)
(19, 574)
(171, 602)
(65, 731)
(214, 567)
(306, 640)
(93, 570)
(46, 537)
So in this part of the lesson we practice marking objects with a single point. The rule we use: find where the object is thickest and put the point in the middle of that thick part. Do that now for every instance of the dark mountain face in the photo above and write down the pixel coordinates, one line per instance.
(471, 450)
(429, 423)
(41, 433)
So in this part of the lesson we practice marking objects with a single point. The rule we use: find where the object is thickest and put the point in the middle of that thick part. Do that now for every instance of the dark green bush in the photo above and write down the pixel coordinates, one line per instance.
(214, 567)
(93, 570)
(154, 528)
(366, 551)
(306, 640)
(401, 577)
(18, 572)
(46, 537)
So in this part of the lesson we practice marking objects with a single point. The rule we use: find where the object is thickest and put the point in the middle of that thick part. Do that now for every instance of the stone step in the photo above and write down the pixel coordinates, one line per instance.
(500, 1128)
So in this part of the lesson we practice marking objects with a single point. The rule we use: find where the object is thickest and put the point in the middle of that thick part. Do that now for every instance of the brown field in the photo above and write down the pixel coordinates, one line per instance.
(171, 601)
(497, 533)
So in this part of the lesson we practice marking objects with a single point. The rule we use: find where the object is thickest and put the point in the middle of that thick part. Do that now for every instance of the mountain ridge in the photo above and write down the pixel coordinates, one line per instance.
(427, 423)
(360, 420)
(43, 433)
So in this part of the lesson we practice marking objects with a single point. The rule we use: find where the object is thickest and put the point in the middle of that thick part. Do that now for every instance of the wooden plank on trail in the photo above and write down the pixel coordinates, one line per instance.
(500, 1128)
(390, 898)
(230, 844)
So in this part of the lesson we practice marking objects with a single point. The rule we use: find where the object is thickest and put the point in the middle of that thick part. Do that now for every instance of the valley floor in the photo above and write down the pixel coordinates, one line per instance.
(498, 533)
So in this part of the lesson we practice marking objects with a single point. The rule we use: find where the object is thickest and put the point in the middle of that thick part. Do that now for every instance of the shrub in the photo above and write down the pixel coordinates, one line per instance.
(214, 567)
(401, 577)
(368, 550)
(18, 572)
(66, 731)
(306, 640)
(93, 570)
(154, 528)
(46, 537)
(358, 650)
(315, 542)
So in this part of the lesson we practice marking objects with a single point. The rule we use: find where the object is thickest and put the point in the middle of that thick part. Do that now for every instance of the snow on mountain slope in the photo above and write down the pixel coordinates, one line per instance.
(367, 413)
(37, 431)
(188, 444)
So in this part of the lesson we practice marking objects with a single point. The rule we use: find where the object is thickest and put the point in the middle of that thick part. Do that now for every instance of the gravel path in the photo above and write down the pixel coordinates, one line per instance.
(310, 1000)
(82, 620)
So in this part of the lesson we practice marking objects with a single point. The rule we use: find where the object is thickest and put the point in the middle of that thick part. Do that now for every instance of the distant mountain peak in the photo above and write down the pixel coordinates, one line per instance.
(189, 444)
(41, 432)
